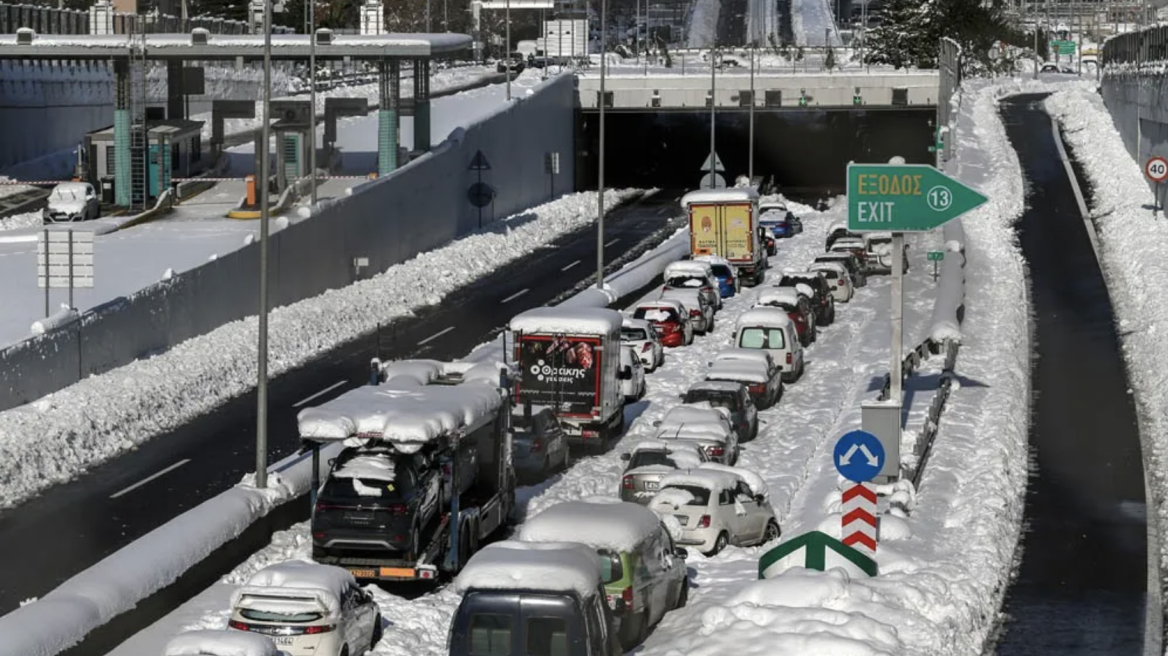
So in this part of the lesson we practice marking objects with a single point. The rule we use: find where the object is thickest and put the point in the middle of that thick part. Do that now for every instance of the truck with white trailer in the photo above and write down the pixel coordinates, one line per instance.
(564, 40)
(568, 359)
(724, 222)
(425, 477)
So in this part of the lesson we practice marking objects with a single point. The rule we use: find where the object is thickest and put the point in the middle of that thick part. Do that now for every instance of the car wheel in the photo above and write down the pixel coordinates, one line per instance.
(344, 651)
(772, 532)
(710, 325)
(719, 544)
(377, 632)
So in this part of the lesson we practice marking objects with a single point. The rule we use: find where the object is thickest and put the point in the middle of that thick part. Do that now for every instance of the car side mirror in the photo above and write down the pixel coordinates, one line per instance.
(681, 397)
(626, 456)
(657, 423)
(680, 552)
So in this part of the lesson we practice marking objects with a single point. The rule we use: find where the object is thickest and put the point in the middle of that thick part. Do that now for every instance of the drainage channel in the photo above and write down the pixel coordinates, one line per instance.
(1082, 580)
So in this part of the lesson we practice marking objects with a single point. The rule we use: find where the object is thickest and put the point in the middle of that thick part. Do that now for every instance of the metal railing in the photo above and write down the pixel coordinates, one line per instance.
(1142, 47)
(51, 20)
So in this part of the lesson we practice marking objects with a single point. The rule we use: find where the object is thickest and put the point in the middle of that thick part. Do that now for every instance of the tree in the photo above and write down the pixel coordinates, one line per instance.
(911, 30)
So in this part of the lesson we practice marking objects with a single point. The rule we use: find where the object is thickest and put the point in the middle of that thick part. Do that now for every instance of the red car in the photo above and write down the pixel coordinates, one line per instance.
(797, 307)
(669, 318)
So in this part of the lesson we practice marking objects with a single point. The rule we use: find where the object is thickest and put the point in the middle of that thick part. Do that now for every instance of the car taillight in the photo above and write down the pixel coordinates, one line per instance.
(840, 282)
(715, 451)
(589, 433)
(646, 347)
(317, 630)
(238, 626)
(627, 595)
(627, 483)
(757, 388)
(536, 445)
(704, 522)
(695, 313)
(790, 359)
(707, 289)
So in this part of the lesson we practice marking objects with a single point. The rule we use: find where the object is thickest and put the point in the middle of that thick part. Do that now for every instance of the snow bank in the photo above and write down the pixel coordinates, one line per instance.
(44, 446)
(220, 643)
(613, 526)
(66, 315)
(22, 220)
(1134, 259)
(551, 566)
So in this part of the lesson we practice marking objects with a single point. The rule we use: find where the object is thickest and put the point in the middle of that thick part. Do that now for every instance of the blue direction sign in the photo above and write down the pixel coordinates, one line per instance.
(859, 456)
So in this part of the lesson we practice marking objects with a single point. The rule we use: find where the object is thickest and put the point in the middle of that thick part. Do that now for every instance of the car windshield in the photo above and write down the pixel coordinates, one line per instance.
(701, 496)
(768, 338)
(656, 315)
(283, 618)
(633, 334)
(611, 569)
(647, 458)
(716, 398)
(692, 282)
(722, 271)
(354, 488)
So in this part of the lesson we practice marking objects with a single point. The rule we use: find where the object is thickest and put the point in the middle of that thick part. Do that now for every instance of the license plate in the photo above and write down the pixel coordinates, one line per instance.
(681, 519)
(363, 573)
(282, 640)
(650, 485)
(398, 572)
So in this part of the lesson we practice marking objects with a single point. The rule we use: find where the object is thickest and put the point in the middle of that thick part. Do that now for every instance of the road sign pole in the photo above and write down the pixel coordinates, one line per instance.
(897, 315)
(46, 246)
(70, 269)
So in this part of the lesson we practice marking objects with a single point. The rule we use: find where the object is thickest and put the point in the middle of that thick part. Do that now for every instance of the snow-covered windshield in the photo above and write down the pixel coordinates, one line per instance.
(768, 338)
(633, 334)
(699, 496)
(716, 398)
(655, 315)
(685, 281)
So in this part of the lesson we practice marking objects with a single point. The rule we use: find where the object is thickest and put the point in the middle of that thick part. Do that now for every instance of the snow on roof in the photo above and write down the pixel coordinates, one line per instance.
(695, 419)
(206, 642)
(670, 499)
(573, 321)
(837, 267)
(613, 526)
(702, 196)
(704, 478)
(803, 275)
(370, 466)
(406, 417)
(768, 205)
(423, 371)
(294, 579)
(671, 303)
(743, 370)
(753, 481)
(716, 385)
(766, 317)
(550, 566)
(759, 356)
(630, 322)
(777, 296)
(688, 268)
(228, 45)
(670, 447)
(838, 225)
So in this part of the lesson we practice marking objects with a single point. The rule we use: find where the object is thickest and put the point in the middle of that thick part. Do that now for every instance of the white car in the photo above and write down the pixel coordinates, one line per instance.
(838, 279)
(694, 274)
(703, 424)
(641, 336)
(701, 311)
(717, 506)
(308, 610)
(72, 201)
(632, 374)
(208, 642)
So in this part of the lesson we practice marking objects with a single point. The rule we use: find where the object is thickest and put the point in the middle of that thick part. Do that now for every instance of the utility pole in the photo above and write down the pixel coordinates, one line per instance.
(750, 139)
(261, 475)
(600, 154)
(507, 49)
(312, 94)
(713, 107)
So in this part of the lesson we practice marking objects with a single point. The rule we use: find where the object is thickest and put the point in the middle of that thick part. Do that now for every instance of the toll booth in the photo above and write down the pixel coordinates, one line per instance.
(175, 151)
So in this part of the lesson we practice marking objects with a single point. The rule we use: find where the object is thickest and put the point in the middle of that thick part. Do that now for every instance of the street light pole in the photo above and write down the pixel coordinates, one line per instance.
(713, 106)
(507, 49)
(600, 153)
(261, 474)
(750, 139)
(312, 94)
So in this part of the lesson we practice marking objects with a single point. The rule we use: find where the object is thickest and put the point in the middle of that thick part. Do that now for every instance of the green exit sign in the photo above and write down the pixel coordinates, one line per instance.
(935, 256)
(904, 198)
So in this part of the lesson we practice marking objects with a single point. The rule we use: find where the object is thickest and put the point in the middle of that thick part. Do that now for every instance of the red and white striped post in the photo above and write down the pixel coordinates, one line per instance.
(860, 527)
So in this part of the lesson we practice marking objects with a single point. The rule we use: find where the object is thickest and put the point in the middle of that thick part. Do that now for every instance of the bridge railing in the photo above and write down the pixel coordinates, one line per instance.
(1134, 49)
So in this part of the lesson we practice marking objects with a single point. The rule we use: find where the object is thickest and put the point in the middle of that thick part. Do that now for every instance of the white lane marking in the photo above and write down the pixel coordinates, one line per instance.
(570, 265)
(610, 243)
(319, 394)
(1083, 212)
(436, 335)
(515, 295)
(146, 480)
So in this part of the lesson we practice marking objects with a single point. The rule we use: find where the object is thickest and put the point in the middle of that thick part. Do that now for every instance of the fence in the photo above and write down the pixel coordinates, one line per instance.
(51, 20)
(1137, 48)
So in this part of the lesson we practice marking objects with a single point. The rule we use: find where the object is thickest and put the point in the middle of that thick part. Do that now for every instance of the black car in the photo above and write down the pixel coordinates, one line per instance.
(823, 302)
(376, 498)
(516, 61)
(732, 396)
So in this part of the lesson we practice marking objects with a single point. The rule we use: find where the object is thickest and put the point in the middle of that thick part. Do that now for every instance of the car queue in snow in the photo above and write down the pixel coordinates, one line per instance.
(432, 452)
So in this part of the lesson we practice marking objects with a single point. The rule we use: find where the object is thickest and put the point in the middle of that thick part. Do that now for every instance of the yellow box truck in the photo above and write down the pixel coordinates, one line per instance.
(724, 222)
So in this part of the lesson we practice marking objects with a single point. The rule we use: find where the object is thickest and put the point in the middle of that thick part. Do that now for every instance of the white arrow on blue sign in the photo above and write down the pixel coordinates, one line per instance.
(859, 456)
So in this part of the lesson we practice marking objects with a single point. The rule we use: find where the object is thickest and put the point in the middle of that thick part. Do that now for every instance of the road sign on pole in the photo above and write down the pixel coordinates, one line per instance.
(1156, 168)
(905, 198)
(716, 165)
(713, 181)
(479, 163)
(859, 456)
(935, 257)
(64, 261)
(860, 527)
(480, 194)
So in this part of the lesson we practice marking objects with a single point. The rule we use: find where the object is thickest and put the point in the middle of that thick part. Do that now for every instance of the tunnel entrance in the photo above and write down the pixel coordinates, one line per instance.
(805, 152)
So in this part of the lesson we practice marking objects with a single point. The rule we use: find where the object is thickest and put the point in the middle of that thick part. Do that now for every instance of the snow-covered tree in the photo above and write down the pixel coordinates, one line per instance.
(911, 31)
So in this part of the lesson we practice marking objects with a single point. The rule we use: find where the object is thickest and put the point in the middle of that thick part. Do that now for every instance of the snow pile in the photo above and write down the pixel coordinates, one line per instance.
(1134, 258)
(65, 315)
(220, 643)
(553, 566)
(635, 275)
(22, 220)
(601, 524)
(63, 434)
(745, 371)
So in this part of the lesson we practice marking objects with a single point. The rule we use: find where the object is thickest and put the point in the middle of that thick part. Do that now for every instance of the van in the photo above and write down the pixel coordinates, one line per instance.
(533, 598)
(771, 329)
(640, 565)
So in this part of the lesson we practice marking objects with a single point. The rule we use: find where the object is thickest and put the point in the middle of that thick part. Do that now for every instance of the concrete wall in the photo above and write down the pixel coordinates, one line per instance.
(1138, 110)
(49, 106)
(415, 209)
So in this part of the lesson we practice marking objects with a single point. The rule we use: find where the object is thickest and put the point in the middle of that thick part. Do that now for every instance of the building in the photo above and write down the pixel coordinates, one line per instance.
(176, 151)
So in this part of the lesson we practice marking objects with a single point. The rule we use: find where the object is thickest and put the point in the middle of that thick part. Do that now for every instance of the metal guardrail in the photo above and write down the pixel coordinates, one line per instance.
(1148, 46)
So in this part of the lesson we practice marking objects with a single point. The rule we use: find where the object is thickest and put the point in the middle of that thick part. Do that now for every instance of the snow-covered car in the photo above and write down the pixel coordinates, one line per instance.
(639, 563)
(837, 278)
(209, 642)
(771, 329)
(718, 506)
(701, 311)
(632, 374)
(859, 279)
(671, 320)
(822, 297)
(769, 239)
(72, 201)
(308, 610)
(538, 445)
(752, 367)
(730, 395)
(879, 250)
(724, 272)
(704, 425)
(796, 305)
(650, 460)
(776, 216)
(839, 230)
(642, 337)
(530, 598)
(857, 246)
(694, 274)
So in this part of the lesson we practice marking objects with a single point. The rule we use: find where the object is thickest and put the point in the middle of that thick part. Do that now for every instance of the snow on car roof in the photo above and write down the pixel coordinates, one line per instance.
(688, 268)
(761, 356)
(630, 322)
(802, 275)
(702, 196)
(837, 267)
(423, 371)
(69, 189)
(671, 303)
(668, 447)
(693, 420)
(766, 317)
(772, 205)
(370, 466)
(758, 487)
(744, 370)
(295, 579)
(716, 385)
(550, 566)
(848, 242)
(777, 296)
(837, 225)
(208, 642)
(707, 479)
(574, 321)
(408, 418)
(613, 526)
(668, 500)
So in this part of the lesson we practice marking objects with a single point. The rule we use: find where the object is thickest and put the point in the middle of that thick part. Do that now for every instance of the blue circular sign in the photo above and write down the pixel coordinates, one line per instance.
(859, 456)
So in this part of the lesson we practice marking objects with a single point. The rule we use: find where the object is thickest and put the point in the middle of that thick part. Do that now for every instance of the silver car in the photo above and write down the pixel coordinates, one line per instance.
(72, 201)
(650, 461)
(539, 447)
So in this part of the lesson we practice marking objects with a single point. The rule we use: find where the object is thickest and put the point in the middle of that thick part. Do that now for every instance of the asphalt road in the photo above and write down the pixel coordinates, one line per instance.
(50, 538)
(1081, 583)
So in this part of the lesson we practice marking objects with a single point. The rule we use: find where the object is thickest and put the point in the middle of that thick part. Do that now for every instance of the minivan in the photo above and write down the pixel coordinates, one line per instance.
(771, 329)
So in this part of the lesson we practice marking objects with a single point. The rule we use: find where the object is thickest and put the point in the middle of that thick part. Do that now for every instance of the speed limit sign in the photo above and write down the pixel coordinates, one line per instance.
(1156, 169)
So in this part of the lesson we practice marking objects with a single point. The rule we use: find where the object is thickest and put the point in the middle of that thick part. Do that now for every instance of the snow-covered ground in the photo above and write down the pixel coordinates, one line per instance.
(814, 23)
(1133, 254)
(43, 444)
(22, 220)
